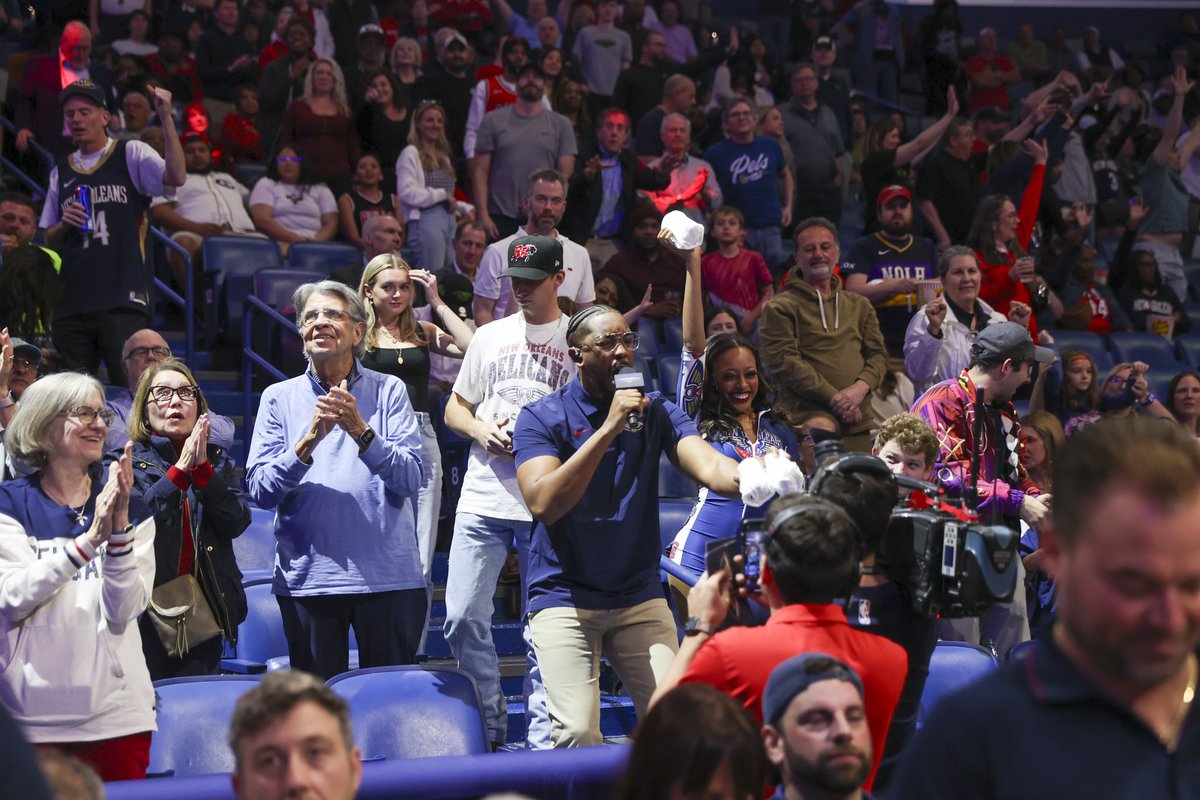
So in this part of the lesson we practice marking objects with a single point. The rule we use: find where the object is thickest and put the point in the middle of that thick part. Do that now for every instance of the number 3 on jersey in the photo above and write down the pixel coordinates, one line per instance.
(99, 231)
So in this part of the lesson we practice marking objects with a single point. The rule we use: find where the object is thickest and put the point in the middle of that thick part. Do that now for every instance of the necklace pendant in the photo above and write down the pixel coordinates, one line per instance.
(400, 355)
(80, 517)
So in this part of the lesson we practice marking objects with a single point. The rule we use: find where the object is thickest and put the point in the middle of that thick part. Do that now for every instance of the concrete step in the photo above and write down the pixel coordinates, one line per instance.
(506, 634)
(617, 718)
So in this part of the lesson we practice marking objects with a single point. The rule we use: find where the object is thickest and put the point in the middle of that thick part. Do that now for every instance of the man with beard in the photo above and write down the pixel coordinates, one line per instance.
(815, 729)
(1114, 686)
(646, 262)
(885, 266)
(498, 91)
(515, 141)
(210, 203)
(544, 205)
(590, 481)
(450, 86)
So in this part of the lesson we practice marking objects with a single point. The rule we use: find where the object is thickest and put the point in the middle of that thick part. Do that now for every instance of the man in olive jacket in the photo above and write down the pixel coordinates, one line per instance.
(820, 343)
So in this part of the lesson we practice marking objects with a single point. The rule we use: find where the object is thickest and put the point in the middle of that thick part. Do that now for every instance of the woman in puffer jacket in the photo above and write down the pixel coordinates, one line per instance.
(190, 486)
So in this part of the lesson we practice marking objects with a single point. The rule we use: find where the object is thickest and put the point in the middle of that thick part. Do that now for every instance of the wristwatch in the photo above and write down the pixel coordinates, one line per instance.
(1149, 401)
(364, 441)
(694, 626)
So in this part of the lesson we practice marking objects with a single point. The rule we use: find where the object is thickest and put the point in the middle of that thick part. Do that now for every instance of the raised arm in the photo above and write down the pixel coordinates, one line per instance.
(1181, 85)
(927, 139)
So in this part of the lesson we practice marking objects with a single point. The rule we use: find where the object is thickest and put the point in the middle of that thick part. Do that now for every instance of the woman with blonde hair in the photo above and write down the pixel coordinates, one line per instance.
(320, 126)
(425, 181)
(76, 570)
(405, 60)
(399, 344)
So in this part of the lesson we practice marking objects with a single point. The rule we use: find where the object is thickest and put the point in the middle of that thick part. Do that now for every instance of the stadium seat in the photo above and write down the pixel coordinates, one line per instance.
(229, 266)
(1022, 649)
(275, 287)
(249, 173)
(1089, 343)
(672, 482)
(673, 331)
(1143, 346)
(1190, 347)
(953, 666)
(193, 719)
(255, 548)
(648, 341)
(323, 257)
(260, 636)
(413, 712)
(1159, 378)
(668, 373)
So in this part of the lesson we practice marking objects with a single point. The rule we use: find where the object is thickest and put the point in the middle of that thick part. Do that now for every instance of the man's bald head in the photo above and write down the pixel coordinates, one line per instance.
(382, 233)
(76, 44)
(141, 351)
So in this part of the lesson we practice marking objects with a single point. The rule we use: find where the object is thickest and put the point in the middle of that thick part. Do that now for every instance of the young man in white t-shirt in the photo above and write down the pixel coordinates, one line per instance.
(544, 208)
(511, 363)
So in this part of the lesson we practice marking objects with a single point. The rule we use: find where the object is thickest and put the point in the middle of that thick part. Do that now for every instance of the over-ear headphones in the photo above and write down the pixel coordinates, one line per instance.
(771, 546)
(844, 465)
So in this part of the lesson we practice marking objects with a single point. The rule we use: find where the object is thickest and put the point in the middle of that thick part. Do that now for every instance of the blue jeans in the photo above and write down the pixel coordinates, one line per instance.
(477, 554)
(768, 243)
(429, 506)
(430, 238)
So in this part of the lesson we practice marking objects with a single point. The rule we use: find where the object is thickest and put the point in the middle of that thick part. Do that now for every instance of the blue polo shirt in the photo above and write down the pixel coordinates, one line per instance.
(603, 554)
(1039, 729)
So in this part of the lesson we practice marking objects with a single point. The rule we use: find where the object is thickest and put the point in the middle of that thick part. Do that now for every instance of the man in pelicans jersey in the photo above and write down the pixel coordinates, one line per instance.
(106, 279)
(885, 266)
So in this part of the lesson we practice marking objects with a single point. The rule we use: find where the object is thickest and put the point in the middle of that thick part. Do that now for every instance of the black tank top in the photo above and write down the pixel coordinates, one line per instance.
(414, 371)
(364, 209)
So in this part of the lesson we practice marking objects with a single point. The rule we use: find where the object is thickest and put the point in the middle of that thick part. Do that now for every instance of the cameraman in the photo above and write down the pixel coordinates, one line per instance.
(879, 605)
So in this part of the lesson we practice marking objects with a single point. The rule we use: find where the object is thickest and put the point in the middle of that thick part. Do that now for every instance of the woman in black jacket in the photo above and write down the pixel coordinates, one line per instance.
(198, 508)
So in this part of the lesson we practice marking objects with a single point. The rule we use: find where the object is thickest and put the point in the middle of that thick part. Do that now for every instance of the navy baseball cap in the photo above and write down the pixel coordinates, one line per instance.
(84, 88)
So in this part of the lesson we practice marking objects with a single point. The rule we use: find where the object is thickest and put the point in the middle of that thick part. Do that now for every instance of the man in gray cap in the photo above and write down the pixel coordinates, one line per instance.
(510, 363)
(1003, 359)
(815, 729)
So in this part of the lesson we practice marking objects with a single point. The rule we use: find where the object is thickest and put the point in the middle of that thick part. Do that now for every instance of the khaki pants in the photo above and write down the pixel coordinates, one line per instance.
(640, 642)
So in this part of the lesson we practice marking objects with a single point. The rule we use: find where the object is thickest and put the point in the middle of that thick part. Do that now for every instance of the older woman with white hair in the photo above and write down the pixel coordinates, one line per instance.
(76, 570)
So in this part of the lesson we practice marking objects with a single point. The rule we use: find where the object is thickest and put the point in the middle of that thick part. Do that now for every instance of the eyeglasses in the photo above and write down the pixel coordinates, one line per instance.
(608, 342)
(331, 315)
(87, 415)
(25, 363)
(142, 352)
(288, 159)
(163, 394)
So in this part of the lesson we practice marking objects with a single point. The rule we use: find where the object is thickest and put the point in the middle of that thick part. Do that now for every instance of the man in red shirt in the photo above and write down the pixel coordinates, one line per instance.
(810, 556)
(990, 74)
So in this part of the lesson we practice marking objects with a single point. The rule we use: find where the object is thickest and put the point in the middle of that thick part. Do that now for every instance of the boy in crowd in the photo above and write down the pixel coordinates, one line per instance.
(734, 276)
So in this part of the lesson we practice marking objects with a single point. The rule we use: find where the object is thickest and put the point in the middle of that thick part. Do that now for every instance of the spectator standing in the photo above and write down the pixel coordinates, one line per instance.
(144, 349)
(693, 188)
(734, 277)
(350, 23)
(496, 91)
(754, 179)
(190, 486)
(948, 187)
(603, 50)
(77, 553)
(136, 42)
(640, 86)
(878, 35)
(370, 52)
(457, 287)
(209, 203)
(678, 97)
(177, 67)
(240, 138)
(224, 60)
(821, 343)
(1144, 296)
(406, 60)
(367, 198)
(319, 126)
(336, 453)
(544, 204)
(886, 266)
(425, 179)
(815, 136)
(283, 80)
(603, 192)
(314, 15)
(528, 26)
(106, 281)
(511, 362)
(451, 86)
(646, 264)
(1029, 55)
(1088, 304)
(832, 91)
(941, 51)
(593, 582)
(1097, 60)
(1125, 503)
(289, 206)
(384, 121)
(989, 74)
(679, 40)
(515, 141)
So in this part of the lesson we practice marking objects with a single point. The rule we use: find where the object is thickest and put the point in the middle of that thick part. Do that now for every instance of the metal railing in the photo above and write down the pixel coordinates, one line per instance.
(671, 568)
(252, 306)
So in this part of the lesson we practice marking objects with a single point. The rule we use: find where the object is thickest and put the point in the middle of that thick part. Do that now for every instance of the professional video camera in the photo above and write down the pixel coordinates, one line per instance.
(950, 564)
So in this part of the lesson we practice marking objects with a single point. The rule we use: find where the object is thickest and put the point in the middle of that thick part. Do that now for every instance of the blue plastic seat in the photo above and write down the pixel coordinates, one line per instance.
(1086, 341)
(648, 343)
(673, 332)
(1159, 378)
(255, 548)
(276, 287)
(668, 373)
(953, 666)
(672, 482)
(413, 712)
(260, 636)
(1190, 348)
(193, 720)
(229, 266)
(323, 257)
(249, 173)
(1143, 346)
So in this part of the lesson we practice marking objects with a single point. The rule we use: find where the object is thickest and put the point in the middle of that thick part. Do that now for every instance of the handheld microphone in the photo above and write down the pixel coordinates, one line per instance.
(630, 378)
